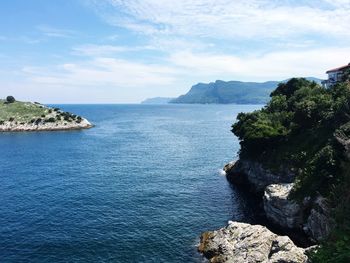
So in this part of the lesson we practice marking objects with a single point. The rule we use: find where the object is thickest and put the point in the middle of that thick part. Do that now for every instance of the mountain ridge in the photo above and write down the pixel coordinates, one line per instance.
(230, 92)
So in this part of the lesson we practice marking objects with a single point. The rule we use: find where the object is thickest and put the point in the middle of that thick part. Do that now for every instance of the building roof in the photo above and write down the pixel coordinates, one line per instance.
(337, 69)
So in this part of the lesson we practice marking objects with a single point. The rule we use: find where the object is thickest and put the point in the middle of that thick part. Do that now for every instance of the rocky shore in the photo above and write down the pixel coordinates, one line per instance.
(240, 242)
(44, 126)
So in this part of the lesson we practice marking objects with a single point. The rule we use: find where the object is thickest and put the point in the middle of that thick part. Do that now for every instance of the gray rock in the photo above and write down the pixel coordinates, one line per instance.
(279, 209)
(256, 175)
(245, 243)
(319, 223)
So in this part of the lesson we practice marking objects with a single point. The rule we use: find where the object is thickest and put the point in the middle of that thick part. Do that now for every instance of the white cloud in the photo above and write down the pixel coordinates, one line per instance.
(56, 32)
(271, 66)
(98, 80)
(127, 81)
(103, 50)
(228, 19)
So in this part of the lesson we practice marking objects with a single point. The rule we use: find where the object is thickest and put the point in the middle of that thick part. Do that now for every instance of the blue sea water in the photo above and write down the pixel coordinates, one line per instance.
(141, 186)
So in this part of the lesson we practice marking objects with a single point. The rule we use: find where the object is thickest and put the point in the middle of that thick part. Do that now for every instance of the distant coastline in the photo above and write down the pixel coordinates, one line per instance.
(225, 92)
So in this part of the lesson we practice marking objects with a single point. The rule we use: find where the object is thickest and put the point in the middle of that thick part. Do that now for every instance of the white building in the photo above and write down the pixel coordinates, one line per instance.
(335, 75)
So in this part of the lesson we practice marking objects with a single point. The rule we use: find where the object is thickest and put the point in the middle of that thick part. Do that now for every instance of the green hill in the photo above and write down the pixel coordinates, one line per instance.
(226, 92)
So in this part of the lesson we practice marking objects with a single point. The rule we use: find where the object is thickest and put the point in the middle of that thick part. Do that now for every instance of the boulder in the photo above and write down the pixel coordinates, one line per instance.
(278, 207)
(256, 175)
(240, 242)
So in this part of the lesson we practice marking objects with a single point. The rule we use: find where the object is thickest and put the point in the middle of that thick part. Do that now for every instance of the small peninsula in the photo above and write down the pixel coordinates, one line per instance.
(17, 116)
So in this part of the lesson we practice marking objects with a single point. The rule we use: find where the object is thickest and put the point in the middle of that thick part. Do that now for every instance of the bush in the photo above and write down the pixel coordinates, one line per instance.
(37, 121)
(11, 119)
(10, 99)
(50, 119)
(2, 122)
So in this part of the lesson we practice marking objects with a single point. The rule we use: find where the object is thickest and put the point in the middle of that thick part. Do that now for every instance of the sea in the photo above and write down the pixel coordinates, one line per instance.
(141, 186)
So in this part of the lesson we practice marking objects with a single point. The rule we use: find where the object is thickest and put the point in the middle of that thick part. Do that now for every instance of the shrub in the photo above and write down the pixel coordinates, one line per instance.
(43, 116)
(50, 110)
(37, 121)
(11, 119)
(51, 119)
(10, 99)
(2, 122)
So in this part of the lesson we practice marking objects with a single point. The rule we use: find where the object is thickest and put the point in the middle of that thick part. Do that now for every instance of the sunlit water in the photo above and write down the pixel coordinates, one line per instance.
(141, 186)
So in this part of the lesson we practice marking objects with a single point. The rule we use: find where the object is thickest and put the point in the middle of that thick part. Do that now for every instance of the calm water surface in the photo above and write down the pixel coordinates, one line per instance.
(139, 187)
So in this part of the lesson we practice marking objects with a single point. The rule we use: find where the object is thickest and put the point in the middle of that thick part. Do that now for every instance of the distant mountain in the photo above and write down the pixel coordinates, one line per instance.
(225, 92)
(157, 100)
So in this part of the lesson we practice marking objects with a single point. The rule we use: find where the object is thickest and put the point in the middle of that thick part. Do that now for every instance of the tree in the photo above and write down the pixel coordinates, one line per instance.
(10, 99)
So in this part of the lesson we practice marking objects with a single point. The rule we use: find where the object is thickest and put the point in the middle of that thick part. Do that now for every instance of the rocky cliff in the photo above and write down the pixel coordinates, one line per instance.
(295, 157)
(311, 216)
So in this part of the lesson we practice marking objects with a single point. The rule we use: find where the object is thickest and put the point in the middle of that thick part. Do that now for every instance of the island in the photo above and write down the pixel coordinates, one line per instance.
(295, 159)
(157, 100)
(16, 116)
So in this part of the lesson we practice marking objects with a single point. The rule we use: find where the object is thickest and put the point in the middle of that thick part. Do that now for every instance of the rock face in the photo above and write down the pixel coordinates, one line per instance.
(255, 175)
(311, 217)
(279, 208)
(240, 242)
(319, 223)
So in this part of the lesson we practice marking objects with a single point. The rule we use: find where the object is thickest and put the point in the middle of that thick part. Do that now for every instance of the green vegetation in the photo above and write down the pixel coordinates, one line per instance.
(21, 111)
(228, 92)
(27, 112)
(10, 99)
(306, 128)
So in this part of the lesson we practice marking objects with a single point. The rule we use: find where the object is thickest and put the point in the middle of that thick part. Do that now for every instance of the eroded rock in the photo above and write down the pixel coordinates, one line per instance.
(240, 242)
(279, 208)
(256, 175)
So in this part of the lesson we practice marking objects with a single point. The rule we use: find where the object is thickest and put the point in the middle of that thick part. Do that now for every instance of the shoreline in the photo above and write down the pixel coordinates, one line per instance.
(9, 127)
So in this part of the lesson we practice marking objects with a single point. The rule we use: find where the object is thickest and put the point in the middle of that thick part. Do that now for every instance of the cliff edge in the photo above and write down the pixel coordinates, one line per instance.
(295, 157)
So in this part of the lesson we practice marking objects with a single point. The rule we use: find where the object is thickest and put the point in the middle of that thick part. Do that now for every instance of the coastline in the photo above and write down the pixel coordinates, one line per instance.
(264, 240)
(63, 126)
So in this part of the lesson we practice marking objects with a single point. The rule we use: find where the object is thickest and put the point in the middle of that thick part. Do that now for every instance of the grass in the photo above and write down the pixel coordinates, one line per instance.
(21, 111)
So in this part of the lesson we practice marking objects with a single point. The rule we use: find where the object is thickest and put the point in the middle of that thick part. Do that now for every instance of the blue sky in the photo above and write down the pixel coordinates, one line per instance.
(114, 51)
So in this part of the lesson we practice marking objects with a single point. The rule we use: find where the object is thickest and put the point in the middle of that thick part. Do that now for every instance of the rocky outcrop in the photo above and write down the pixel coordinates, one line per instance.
(319, 223)
(280, 209)
(240, 242)
(45, 126)
(288, 214)
(255, 175)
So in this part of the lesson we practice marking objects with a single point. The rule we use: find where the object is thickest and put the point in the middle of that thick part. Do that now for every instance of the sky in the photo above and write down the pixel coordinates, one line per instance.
(115, 51)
